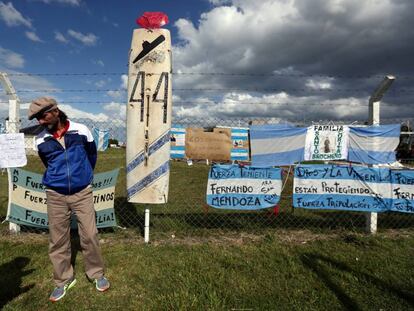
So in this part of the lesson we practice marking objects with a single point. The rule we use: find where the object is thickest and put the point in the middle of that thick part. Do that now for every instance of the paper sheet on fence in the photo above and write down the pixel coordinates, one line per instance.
(27, 198)
(12, 151)
(245, 188)
(326, 142)
(348, 188)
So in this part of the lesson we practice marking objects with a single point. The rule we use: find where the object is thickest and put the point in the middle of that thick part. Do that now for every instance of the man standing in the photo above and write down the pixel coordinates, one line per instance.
(69, 153)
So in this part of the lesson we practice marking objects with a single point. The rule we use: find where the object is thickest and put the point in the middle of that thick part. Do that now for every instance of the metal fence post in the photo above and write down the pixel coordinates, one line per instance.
(374, 119)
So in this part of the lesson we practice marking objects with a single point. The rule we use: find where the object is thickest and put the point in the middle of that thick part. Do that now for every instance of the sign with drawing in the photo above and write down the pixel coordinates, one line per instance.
(326, 142)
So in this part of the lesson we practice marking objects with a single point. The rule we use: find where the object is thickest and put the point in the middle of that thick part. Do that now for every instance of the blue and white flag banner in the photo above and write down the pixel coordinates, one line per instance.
(273, 145)
(350, 188)
(177, 137)
(240, 139)
(243, 188)
(28, 205)
(326, 142)
(373, 144)
(402, 191)
(101, 138)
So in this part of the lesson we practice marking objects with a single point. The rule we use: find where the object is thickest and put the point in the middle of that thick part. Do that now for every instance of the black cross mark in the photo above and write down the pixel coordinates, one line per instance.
(148, 47)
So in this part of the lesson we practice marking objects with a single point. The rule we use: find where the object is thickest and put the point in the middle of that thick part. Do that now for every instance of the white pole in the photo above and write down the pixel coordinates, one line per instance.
(374, 119)
(146, 228)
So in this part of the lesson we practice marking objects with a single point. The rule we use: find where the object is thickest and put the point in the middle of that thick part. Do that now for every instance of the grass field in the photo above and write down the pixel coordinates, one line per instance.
(245, 272)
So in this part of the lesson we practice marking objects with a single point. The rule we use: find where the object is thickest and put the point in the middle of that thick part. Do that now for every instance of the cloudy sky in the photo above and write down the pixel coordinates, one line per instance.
(293, 60)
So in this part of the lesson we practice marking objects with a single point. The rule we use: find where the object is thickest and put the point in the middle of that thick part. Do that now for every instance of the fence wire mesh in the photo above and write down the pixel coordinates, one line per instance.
(186, 213)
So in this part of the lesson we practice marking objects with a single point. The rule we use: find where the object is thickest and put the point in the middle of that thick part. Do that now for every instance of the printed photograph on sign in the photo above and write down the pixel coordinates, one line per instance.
(326, 142)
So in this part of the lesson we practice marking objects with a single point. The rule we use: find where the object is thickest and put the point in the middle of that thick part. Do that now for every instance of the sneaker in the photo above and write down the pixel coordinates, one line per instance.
(59, 292)
(101, 284)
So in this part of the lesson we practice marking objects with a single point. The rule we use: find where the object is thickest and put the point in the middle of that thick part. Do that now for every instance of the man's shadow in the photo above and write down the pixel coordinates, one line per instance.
(11, 275)
(314, 262)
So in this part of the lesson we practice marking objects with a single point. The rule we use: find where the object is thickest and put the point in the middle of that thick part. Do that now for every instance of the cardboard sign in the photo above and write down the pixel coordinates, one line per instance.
(213, 146)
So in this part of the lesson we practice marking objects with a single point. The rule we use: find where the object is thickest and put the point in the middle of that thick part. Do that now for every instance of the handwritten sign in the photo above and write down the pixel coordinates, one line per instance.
(402, 191)
(213, 146)
(12, 150)
(246, 188)
(28, 202)
(342, 188)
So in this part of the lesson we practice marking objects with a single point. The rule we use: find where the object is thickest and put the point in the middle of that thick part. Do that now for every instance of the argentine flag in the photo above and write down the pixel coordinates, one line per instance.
(275, 144)
(373, 144)
(101, 138)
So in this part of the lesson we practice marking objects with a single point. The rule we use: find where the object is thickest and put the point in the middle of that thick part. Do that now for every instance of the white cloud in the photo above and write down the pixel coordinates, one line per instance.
(60, 37)
(282, 105)
(297, 45)
(87, 39)
(99, 62)
(11, 59)
(117, 95)
(33, 36)
(124, 79)
(219, 2)
(100, 83)
(68, 2)
(319, 84)
(116, 110)
(75, 113)
(12, 17)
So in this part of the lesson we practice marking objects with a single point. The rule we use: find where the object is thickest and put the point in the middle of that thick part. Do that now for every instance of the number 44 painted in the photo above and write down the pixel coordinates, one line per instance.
(141, 80)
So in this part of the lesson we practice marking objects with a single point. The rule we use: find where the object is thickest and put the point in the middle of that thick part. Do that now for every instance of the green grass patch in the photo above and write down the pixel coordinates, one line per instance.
(273, 272)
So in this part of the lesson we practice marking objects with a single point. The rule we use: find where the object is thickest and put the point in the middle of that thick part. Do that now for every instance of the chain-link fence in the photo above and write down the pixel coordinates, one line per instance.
(186, 213)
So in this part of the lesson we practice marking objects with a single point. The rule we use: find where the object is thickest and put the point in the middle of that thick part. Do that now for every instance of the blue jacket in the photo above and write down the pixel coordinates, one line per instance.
(69, 169)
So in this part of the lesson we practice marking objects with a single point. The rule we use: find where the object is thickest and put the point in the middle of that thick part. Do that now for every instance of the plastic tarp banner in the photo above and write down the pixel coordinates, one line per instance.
(243, 187)
(402, 191)
(351, 188)
(28, 205)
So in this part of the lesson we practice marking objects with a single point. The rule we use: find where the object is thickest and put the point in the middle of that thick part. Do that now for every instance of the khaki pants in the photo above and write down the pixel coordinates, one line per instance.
(59, 208)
